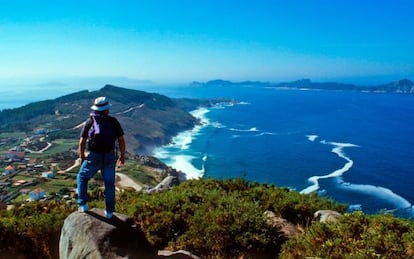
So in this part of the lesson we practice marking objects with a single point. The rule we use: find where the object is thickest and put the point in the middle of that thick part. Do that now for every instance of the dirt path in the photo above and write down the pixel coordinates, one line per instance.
(131, 109)
(124, 181)
(40, 151)
(77, 163)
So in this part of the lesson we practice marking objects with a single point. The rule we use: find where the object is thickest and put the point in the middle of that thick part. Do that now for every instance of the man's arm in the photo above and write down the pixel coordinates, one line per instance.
(81, 150)
(121, 142)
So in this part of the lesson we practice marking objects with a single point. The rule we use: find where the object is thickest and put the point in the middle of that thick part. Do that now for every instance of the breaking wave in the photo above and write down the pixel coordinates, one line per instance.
(378, 192)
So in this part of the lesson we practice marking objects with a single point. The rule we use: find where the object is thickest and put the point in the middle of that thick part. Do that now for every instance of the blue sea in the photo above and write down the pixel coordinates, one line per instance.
(354, 147)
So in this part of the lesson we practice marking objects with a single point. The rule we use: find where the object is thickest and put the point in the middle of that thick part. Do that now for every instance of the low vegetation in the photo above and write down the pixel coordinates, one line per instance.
(32, 230)
(220, 219)
(355, 236)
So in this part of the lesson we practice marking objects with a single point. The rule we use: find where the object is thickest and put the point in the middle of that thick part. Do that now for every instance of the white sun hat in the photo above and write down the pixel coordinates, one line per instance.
(101, 104)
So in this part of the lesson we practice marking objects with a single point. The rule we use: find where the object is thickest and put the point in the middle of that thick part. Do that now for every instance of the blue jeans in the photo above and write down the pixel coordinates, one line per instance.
(94, 162)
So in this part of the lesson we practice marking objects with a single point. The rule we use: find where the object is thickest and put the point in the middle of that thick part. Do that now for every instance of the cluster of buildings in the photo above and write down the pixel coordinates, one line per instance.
(21, 175)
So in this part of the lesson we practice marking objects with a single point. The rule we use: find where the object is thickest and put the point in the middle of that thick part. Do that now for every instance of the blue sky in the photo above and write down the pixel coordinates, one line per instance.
(178, 41)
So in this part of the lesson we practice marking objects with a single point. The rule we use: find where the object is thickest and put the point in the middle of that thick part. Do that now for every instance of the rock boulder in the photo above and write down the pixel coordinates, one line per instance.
(91, 235)
(287, 228)
(327, 216)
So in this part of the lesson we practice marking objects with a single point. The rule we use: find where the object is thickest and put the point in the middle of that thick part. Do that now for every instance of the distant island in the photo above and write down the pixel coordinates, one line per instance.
(401, 86)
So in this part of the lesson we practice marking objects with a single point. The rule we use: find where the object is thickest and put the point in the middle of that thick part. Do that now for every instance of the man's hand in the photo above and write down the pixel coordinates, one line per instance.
(82, 158)
(121, 161)
(81, 149)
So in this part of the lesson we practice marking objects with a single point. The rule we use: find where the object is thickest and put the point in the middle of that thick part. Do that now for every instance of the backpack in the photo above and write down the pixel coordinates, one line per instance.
(101, 135)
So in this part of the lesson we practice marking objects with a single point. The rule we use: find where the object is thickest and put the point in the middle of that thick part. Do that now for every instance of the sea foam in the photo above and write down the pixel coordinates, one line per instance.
(175, 155)
(376, 191)
(253, 129)
(312, 137)
(380, 192)
(338, 149)
(183, 163)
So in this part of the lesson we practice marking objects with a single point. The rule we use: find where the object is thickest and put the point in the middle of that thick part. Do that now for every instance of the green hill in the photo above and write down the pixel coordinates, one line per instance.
(148, 119)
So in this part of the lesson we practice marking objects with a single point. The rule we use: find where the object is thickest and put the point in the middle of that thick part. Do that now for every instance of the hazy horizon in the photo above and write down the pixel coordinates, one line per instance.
(18, 92)
(93, 83)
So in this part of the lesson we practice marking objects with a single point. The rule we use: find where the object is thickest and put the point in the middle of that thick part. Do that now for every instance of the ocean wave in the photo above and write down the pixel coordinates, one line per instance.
(224, 105)
(183, 140)
(217, 107)
(376, 191)
(253, 129)
(183, 164)
(201, 114)
(312, 137)
(379, 192)
(161, 153)
(338, 149)
(265, 133)
(174, 155)
(217, 125)
(354, 207)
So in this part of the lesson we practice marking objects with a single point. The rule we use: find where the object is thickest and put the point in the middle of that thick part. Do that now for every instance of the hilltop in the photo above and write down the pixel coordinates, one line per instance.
(401, 86)
(148, 119)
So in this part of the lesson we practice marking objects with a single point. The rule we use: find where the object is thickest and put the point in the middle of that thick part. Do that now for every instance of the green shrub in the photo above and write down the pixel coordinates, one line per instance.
(220, 218)
(227, 225)
(355, 236)
(32, 229)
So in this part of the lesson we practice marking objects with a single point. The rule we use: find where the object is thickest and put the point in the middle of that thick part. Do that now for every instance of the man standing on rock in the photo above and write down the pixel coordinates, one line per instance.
(100, 132)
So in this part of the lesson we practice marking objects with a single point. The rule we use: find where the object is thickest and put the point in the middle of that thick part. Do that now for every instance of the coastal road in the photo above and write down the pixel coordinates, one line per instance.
(40, 151)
